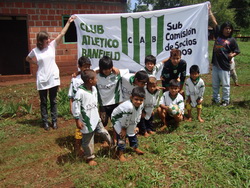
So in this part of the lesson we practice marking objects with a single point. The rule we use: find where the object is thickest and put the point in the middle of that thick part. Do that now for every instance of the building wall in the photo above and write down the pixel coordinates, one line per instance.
(47, 16)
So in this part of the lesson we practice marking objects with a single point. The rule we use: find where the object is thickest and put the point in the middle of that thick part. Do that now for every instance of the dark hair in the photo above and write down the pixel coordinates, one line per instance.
(150, 58)
(174, 83)
(87, 75)
(105, 63)
(194, 69)
(141, 75)
(83, 61)
(223, 26)
(138, 92)
(152, 80)
(175, 52)
(40, 37)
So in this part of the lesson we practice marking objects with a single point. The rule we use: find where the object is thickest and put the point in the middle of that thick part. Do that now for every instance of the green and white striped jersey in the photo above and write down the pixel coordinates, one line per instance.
(85, 108)
(126, 115)
(109, 89)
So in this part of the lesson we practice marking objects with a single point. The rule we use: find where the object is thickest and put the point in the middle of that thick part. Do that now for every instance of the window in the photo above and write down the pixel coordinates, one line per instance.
(70, 36)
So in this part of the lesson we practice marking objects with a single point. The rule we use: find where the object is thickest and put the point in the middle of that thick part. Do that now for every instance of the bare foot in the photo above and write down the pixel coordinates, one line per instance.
(151, 132)
(200, 120)
(236, 84)
(163, 127)
(91, 162)
(188, 119)
(146, 134)
(139, 152)
(105, 144)
(122, 158)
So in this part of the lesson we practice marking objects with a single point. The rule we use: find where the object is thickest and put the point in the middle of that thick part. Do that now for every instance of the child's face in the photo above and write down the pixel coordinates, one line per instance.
(194, 75)
(227, 31)
(107, 72)
(152, 87)
(93, 81)
(84, 67)
(150, 65)
(173, 90)
(175, 60)
(140, 83)
(137, 101)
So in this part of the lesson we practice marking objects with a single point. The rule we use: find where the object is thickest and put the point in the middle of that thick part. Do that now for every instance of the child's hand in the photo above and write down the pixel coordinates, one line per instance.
(199, 101)
(79, 124)
(71, 19)
(116, 70)
(158, 88)
(136, 130)
(123, 133)
(75, 74)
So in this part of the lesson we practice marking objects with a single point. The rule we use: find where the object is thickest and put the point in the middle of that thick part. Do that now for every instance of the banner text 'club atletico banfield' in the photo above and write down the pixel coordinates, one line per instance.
(128, 37)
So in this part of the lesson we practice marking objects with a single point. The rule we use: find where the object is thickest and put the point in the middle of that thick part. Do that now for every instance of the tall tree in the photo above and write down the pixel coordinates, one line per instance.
(242, 12)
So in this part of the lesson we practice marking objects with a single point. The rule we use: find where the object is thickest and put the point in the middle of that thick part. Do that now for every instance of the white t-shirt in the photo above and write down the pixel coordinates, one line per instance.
(150, 102)
(127, 85)
(195, 90)
(109, 89)
(48, 72)
(126, 116)
(178, 100)
(74, 85)
(85, 108)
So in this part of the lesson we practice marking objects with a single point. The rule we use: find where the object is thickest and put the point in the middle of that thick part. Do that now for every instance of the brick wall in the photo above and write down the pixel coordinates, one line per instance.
(47, 16)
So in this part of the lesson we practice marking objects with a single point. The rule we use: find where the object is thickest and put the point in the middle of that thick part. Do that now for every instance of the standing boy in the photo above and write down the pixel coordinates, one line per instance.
(85, 111)
(195, 89)
(83, 64)
(109, 89)
(174, 68)
(125, 118)
(169, 98)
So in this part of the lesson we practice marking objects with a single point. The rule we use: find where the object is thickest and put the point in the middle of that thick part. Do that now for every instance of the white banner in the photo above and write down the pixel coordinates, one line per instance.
(128, 37)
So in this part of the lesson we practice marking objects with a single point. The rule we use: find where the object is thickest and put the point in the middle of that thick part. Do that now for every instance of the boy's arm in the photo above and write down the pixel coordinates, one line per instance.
(115, 70)
(79, 124)
(123, 132)
(164, 106)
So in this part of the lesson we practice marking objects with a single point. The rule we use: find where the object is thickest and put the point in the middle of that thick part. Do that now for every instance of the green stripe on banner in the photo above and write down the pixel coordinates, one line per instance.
(148, 36)
(136, 40)
(160, 31)
(124, 33)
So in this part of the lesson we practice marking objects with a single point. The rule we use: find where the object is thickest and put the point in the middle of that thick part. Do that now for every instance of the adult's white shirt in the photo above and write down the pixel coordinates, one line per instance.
(48, 72)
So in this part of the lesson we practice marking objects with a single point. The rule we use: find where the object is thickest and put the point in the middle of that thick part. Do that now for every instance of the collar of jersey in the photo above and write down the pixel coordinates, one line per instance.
(85, 89)
(196, 81)
(131, 80)
(173, 98)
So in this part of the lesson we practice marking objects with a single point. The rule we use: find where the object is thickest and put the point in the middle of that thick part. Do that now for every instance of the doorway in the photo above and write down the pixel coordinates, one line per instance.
(13, 45)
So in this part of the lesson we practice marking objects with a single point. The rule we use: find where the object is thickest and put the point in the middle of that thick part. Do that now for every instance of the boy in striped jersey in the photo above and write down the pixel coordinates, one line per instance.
(195, 89)
(85, 112)
(83, 64)
(109, 88)
(125, 118)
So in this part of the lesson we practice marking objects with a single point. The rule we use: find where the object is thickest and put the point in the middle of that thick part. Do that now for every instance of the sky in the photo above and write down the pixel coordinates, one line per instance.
(133, 4)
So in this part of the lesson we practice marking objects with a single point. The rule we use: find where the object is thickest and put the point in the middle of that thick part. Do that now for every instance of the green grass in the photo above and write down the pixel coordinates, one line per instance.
(210, 154)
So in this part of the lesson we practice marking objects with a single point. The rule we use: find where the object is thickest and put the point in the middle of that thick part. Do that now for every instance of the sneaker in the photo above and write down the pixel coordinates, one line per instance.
(214, 102)
(224, 103)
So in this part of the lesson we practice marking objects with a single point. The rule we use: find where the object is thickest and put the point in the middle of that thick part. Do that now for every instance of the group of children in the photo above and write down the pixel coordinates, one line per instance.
(129, 101)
